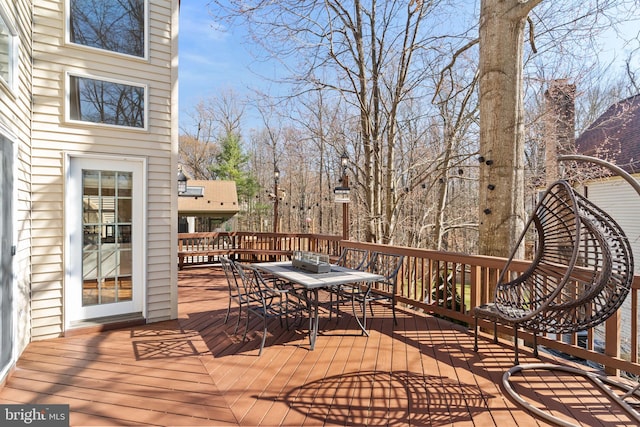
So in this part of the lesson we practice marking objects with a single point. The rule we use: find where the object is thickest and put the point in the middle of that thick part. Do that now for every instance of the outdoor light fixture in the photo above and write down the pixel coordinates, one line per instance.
(276, 179)
(182, 182)
(342, 194)
(344, 161)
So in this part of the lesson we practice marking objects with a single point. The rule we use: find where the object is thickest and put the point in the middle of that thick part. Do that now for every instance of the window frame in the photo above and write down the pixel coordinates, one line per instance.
(67, 35)
(12, 51)
(68, 108)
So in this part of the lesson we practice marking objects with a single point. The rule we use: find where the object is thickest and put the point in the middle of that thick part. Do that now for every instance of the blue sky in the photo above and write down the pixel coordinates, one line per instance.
(206, 59)
(212, 60)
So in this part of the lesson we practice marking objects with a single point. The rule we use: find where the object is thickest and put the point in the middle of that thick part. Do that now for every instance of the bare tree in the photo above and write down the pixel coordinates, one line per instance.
(502, 36)
(319, 116)
(379, 59)
(502, 25)
(227, 110)
(364, 52)
(197, 147)
(212, 121)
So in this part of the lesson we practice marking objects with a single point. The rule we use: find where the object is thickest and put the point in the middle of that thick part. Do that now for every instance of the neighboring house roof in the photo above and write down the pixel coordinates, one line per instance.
(615, 135)
(219, 199)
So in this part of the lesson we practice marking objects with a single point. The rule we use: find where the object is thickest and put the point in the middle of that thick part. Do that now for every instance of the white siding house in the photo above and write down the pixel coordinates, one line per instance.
(88, 124)
(15, 179)
(615, 137)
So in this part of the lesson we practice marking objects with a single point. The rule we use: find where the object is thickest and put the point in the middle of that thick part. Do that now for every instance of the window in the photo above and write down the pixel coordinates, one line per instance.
(106, 102)
(7, 50)
(106, 224)
(115, 25)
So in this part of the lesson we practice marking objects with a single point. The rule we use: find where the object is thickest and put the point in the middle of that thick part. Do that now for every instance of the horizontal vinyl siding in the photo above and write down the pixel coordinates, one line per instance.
(15, 121)
(53, 136)
(620, 200)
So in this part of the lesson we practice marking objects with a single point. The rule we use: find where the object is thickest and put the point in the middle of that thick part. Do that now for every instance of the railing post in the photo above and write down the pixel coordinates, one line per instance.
(634, 325)
(612, 340)
(476, 285)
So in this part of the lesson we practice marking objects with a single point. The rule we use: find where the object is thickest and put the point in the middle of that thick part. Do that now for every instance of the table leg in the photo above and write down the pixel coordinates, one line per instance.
(313, 318)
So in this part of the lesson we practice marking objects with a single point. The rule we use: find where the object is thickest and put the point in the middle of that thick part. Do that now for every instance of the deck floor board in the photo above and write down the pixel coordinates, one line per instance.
(194, 371)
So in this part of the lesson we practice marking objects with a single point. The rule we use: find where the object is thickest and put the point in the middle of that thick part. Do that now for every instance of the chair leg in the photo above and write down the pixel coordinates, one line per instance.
(331, 306)
(226, 316)
(363, 323)
(475, 333)
(284, 313)
(515, 344)
(337, 291)
(495, 332)
(364, 314)
(235, 331)
(246, 327)
(393, 310)
(264, 336)
(371, 308)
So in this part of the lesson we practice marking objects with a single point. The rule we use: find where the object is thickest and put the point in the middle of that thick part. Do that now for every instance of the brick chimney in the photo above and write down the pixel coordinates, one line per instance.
(559, 125)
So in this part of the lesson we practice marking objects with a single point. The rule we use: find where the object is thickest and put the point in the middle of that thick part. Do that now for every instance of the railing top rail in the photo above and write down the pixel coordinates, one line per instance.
(266, 234)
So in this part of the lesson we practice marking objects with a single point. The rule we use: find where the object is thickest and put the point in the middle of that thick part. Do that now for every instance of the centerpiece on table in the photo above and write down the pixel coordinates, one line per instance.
(311, 261)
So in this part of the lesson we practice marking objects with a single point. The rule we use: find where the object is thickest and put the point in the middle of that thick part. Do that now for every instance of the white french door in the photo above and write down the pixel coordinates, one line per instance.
(6, 255)
(105, 222)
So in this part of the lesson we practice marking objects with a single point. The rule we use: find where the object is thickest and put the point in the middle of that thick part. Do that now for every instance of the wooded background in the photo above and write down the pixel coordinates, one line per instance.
(439, 106)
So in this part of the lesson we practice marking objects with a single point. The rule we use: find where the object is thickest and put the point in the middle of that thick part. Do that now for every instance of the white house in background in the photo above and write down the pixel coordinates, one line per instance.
(615, 137)
(88, 143)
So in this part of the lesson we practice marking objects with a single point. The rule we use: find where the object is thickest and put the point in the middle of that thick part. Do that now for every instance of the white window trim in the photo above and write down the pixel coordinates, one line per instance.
(67, 35)
(67, 101)
(13, 56)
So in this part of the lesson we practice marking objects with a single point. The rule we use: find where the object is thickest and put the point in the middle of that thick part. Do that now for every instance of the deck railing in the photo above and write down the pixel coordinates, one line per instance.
(442, 283)
(202, 248)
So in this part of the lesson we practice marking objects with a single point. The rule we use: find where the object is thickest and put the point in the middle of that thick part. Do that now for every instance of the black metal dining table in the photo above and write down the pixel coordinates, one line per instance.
(312, 282)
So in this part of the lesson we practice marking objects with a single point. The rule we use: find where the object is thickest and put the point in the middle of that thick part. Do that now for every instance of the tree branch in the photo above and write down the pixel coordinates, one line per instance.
(452, 63)
(532, 36)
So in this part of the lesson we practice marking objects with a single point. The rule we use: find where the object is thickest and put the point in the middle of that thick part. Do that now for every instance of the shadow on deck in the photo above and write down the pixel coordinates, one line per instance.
(196, 371)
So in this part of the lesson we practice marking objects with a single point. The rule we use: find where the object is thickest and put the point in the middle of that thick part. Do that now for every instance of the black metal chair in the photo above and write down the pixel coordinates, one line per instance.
(355, 259)
(235, 294)
(388, 266)
(265, 302)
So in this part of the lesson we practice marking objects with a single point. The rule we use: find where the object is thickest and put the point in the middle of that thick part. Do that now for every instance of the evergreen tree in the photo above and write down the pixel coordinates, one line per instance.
(231, 165)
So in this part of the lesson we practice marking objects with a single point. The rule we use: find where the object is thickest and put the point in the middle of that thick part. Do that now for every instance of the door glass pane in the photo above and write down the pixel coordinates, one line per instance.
(106, 253)
(6, 285)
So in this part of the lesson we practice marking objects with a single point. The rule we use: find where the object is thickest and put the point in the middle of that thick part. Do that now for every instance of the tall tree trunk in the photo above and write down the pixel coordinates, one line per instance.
(439, 229)
(501, 207)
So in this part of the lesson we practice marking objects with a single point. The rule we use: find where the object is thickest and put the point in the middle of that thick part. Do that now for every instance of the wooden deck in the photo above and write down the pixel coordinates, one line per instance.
(195, 372)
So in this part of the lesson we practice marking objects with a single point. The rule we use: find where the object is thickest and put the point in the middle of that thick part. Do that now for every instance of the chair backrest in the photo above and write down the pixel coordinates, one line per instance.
(252, 284)
(353, 258)
(584, 303)
(231, 273)
(581, 272)
(387, 265)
